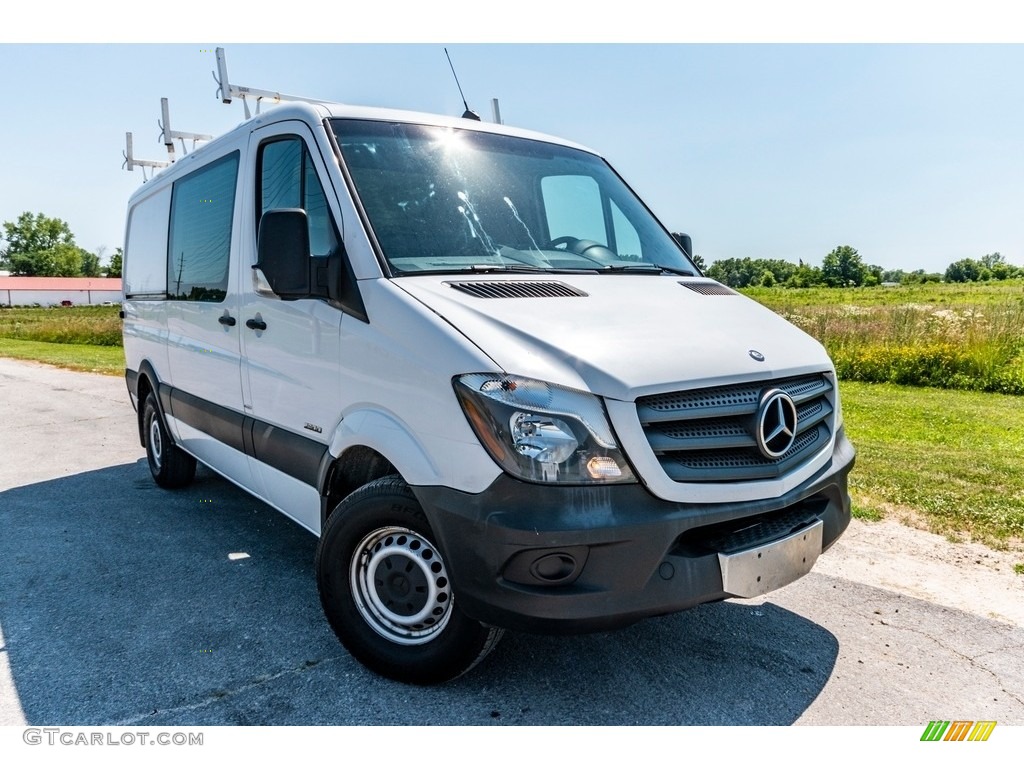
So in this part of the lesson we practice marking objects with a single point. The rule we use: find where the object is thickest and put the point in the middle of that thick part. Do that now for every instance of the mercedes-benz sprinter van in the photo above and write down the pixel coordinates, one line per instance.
(471, 361)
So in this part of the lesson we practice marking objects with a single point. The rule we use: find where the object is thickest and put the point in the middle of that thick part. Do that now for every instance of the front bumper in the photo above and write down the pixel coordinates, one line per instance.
(568, 559)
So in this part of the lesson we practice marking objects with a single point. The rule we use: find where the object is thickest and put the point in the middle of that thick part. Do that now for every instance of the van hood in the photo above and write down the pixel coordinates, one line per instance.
(625, 335)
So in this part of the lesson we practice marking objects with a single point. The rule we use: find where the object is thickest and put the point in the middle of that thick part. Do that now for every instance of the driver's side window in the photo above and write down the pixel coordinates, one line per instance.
(288, 179)
(575, 209)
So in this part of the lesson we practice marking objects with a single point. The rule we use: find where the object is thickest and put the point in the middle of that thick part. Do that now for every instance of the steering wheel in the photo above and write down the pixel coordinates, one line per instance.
(589, 249)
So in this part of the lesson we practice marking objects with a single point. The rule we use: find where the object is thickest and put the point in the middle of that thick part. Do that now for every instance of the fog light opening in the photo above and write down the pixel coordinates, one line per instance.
(554, 568)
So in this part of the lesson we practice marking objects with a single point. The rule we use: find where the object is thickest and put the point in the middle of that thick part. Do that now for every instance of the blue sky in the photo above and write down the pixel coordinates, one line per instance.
(913, 154)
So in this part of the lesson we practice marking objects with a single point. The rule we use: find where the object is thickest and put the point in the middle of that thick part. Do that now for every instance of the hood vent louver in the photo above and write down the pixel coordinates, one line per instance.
(516, 289)
(708, 288)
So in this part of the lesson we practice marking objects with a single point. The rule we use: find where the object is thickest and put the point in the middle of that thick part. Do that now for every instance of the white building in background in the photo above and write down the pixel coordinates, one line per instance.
(57, 291)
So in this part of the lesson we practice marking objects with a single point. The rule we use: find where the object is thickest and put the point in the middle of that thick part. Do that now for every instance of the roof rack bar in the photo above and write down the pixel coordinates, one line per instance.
(168, 136)
(131, 162)
(226, 91)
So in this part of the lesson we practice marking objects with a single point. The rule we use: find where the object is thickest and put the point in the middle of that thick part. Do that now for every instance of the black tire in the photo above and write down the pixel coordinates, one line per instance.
(170, 466)
(385, 590)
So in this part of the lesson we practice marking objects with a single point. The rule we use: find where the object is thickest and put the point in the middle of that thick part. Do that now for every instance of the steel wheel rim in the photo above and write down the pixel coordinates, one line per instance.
(401, 586)
(156, 445)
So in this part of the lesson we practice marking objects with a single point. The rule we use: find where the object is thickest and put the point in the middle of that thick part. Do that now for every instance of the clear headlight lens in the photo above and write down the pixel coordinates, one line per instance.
(542, 432)
(542, 438)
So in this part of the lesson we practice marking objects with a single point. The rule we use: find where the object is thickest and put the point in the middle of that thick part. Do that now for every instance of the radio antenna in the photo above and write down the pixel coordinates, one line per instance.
(469, 114)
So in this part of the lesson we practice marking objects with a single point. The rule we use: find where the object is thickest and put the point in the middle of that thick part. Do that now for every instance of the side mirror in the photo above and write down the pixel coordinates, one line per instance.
(684, 242)
(286, 267)
(283, 252)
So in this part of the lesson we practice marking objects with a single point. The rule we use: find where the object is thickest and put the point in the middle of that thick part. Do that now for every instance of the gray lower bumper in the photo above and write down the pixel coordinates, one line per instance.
(575, 559)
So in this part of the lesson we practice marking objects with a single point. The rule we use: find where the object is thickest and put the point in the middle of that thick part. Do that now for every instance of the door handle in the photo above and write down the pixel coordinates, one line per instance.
(227, 320)
(255, 324)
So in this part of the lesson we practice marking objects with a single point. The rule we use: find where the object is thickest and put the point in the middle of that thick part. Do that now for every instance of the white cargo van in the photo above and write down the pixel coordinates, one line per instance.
(472, 362)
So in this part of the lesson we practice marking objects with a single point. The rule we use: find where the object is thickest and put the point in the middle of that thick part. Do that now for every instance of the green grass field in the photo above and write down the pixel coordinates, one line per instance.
(959, 336)
(953, 295)
(951, 462)
(947, 460)
(96, 326)
(77, 357)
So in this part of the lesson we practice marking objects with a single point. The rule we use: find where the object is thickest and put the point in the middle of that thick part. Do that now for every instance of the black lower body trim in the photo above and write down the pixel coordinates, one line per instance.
(220, 423)
(295, 455)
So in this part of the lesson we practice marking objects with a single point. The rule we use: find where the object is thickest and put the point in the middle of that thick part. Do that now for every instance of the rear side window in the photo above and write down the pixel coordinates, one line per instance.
(145, 252)
(202, 208)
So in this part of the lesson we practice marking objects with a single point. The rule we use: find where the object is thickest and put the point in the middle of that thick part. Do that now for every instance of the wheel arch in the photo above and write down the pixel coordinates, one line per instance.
(146, 382)
(357, 466)
(370, 442)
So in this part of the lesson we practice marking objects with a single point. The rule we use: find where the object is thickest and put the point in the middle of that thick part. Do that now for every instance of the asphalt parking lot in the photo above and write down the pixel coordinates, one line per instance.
(124, 604)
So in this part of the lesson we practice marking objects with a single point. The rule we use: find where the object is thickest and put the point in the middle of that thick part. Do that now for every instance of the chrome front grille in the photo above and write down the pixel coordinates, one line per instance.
(710, 435)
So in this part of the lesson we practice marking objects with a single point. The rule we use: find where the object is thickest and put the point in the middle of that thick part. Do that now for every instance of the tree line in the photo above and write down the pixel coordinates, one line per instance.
(36, 245)
(845, 267)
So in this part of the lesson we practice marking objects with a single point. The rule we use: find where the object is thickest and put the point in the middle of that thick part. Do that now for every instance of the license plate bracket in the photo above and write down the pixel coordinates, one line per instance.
(755, 571)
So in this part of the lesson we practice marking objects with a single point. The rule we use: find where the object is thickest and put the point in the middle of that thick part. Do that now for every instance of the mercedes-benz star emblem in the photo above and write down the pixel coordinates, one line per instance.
(776, 423)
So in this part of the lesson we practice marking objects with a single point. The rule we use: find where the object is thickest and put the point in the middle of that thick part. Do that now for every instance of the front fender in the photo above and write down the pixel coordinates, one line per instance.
(433, 459)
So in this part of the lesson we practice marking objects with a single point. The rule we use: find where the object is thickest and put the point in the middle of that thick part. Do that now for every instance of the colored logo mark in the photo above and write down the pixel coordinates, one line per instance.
(958, 730)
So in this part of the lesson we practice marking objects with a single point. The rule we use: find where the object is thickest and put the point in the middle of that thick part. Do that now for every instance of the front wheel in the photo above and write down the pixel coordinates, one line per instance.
(385, 588)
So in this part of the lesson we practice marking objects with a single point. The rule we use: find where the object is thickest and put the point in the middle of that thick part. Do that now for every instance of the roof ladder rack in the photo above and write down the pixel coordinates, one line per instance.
(226, 91)
(131, 162)
(169, 136)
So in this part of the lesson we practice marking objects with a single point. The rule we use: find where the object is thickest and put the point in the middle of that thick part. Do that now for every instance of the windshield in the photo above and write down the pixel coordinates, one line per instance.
(451, 200)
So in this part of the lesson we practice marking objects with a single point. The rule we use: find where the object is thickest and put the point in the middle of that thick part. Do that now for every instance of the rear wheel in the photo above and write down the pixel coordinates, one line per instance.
(386, 591)
(170, 466)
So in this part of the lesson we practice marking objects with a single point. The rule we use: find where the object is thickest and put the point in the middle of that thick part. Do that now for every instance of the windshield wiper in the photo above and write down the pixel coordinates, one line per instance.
(653, 269)
(529, 268)
(485, 268)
